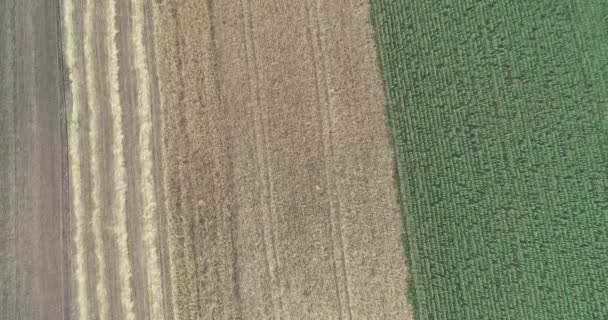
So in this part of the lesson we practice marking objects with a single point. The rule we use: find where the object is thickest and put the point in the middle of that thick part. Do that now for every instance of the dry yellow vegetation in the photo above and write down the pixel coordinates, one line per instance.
(277, 162)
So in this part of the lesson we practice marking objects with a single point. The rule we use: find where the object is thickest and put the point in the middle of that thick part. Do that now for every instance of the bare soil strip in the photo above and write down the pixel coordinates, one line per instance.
(277, 164)
(8, 284)
(33, 157)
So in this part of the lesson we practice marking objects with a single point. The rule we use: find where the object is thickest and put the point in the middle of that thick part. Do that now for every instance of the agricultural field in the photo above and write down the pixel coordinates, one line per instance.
(114, 182)
(277, 165)
(81, 183)
(34, 201)
(498, 110)
(309, 159)
(188, 160)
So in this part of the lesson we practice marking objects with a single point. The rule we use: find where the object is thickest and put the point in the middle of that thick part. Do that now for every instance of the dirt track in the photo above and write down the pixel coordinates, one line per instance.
(33, 173)
(277, 162)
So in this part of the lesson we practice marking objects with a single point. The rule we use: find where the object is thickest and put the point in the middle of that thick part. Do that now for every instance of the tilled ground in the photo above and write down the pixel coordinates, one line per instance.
(33, 172)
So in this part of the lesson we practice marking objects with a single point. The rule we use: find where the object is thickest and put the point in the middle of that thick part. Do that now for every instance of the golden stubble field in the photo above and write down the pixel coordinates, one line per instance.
(277, 164)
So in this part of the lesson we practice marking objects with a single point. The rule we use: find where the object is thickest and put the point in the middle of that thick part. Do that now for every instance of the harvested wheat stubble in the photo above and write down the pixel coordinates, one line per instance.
(498, 114)
(113, 178)
(278, 171)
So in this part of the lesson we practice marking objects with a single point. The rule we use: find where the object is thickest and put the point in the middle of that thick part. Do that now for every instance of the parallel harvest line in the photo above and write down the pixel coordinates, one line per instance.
(93, 105)
(120, 181)
(150, 216)
(80, 276)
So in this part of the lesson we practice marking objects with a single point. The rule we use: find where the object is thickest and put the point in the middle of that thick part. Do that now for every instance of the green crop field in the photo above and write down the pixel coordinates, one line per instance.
(499, 116)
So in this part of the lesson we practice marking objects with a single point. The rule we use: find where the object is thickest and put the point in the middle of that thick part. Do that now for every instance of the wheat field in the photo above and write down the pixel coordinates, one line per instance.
(310, 159)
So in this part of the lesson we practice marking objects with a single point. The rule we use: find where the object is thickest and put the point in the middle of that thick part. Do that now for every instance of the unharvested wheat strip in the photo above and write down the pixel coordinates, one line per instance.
(120, 184)
(92, 102)
(74, 163)
(150, 235)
